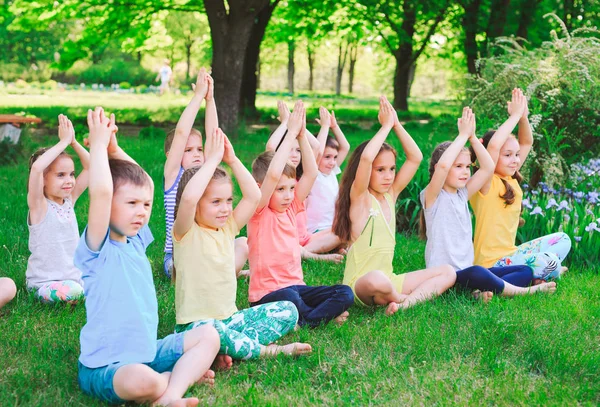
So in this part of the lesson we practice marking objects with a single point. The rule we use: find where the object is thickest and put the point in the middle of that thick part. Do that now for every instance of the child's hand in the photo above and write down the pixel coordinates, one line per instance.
(284, 111)
(518, 104)
(201, 86)
(214, 147)
(324, 117)
(229, 154)
(466, 124)
(296, 119)
(387, 115)
(333, 120)
(113, 146)
(66, 133)
(210, 93)
(101, 127)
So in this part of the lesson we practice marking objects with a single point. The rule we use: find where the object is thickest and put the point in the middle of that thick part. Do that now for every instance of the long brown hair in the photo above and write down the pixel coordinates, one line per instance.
(437, 153)
(342, 224)
(509, 195)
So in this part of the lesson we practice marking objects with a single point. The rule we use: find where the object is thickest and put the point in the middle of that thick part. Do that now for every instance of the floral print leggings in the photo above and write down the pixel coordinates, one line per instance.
(544, 255)
(59, 291)
(243, 333)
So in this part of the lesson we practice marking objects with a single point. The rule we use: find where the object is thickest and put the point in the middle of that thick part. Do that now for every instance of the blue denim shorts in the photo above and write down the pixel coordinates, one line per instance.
(98, 382)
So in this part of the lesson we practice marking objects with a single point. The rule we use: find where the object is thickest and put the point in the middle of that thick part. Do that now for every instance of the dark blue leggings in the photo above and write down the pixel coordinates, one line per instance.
(316, 305)
(492, 279)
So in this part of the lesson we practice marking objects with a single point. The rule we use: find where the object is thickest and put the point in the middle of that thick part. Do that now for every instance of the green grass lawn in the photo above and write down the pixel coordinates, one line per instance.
(453, 350)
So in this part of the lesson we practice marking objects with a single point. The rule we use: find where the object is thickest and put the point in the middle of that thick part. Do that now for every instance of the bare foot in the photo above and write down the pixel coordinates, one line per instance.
(340, 319)
(244, 274)
(549, 288)
(208, 378)
(343, 251)
(222, 362)
(392, 308)
(562, 271)
(537, 281)
(485, 296)
(292, 349)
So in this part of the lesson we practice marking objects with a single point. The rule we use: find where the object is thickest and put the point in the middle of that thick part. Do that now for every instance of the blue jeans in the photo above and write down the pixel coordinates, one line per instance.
(316, 305)
(480, 278)
(98, 382)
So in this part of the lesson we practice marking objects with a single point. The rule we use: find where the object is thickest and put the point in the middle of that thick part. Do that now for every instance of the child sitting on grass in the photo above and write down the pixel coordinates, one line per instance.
(52, 193)
(203, 238)
(275, 264)
(365, 217)
(497, 205)
(121, 359)
(183, 148)
(446, 220)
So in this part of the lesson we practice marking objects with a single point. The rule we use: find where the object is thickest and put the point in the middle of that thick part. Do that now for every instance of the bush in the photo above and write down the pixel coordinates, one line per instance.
(11, 72)
(152, 132)
(125, 85)
(106, 73)
(562, 82)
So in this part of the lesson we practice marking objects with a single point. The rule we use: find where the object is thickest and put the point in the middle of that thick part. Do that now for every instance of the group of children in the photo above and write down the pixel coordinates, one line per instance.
(293, 208)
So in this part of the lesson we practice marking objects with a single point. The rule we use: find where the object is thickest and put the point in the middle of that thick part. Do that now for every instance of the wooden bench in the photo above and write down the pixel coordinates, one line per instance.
(10, 126)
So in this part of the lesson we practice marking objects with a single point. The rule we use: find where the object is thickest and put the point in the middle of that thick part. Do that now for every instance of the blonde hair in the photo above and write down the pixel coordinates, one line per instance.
(171, 135)
(260, 166)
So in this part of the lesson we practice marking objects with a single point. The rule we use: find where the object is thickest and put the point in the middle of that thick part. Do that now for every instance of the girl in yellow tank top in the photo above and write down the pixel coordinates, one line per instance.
(365, 218)
(497, 206)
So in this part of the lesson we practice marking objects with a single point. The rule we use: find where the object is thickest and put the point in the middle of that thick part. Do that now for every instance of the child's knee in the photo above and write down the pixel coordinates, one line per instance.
(449, 273)
(345, 295)
(8, 288)
(139, 383)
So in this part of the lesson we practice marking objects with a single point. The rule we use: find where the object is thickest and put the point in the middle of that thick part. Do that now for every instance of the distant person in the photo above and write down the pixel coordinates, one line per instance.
(165, 74)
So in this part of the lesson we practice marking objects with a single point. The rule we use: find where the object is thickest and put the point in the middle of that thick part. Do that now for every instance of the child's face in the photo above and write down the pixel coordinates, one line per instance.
(295, 156)
(328, 161)
(59, 180)
(460, 171)
(193, 155)
(283, 196)
(216, 205)
(509, 160)
(131, 209)
(383, 172)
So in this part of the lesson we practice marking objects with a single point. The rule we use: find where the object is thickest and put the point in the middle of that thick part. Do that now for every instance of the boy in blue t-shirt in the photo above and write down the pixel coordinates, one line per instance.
(121, 359)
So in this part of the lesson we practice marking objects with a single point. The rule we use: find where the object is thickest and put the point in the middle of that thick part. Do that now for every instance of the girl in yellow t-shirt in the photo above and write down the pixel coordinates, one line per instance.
(204, 255)
(497, 206)
(365, 218)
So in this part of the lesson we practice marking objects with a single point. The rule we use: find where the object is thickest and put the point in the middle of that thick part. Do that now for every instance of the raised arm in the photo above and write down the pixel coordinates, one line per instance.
(281, 155)
(36, 201)
(414, 156)
(363, 173)
(195, 188)
(466, 126)
(250, 191)
(486, 167)
(325, 122)
(309, 164)
(83, 178)
(516, 108)
(211, 120)
(341, 139)
(525, 134)
(182, 131)
(100, 185)
(279, 133)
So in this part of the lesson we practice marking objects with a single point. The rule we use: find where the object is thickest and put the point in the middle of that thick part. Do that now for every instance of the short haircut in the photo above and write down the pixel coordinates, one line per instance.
(171, 135)
(332, 143)
(260, 166)
(123, 172)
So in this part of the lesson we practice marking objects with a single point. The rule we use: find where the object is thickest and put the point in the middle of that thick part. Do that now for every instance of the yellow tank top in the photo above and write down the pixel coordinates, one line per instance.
(495, 222)
(374, 248)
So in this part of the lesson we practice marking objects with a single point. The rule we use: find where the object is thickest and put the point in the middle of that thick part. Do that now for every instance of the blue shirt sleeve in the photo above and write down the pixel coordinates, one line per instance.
(85, 258)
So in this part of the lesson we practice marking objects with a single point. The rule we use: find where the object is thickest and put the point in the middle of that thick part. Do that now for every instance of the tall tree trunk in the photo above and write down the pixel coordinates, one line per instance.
(291, 66)
(471, 28)
(311, 66)
(230, 30)
(404, 57)
(258, 66)
(342, 55)
(527, 13)
(351, 66)
(568, 10)
(188, 57)
(497, 21)
(139, 57)
(252, 62)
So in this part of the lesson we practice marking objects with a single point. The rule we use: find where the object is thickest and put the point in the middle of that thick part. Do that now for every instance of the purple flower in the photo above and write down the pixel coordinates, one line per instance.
(593, 197)
(534, 192)
(592, 226)
(526, 203)
(551, 203)
(563, 205)
(536, 211)
(577, 238)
